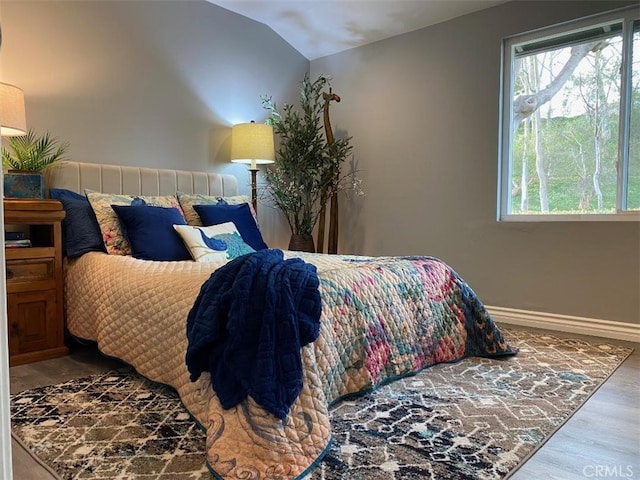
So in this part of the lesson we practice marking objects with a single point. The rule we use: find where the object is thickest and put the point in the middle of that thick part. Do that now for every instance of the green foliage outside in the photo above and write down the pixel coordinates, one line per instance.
(563, 197)
(568, 148)
(569, 145)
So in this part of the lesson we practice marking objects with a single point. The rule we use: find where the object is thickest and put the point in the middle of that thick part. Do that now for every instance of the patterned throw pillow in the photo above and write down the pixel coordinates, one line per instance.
(112, 235)
(188, 200)
(215, 243)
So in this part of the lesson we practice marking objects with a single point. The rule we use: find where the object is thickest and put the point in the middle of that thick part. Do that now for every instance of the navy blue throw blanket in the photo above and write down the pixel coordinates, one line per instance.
(247, 326)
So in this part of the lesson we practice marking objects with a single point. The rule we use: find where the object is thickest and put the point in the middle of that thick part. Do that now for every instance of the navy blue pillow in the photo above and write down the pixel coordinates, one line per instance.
(240, 215)
(150, 232)
(80, 229)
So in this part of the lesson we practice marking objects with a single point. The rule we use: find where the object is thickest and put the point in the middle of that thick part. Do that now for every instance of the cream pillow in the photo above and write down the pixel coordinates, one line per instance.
(188, 200)
(213, 243)
(112, 234)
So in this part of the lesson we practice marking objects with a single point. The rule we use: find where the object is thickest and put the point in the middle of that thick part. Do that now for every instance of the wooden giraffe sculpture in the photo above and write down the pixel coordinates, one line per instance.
(332, 243)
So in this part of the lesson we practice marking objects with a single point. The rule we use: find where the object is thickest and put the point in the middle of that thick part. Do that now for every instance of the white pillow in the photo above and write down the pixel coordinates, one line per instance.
(213, 243)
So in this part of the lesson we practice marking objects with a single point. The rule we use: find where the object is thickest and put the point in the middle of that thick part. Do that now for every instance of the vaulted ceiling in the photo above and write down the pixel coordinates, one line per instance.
(317, 28)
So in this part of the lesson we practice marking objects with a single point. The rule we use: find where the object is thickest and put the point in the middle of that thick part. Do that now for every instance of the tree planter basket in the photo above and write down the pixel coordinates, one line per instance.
(302, 243)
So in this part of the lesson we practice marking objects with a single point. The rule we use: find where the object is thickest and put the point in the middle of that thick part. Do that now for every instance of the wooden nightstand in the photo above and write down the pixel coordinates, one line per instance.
(34, 282)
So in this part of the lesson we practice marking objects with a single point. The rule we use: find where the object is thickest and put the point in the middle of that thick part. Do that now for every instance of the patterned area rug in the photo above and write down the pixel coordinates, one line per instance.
(475, 419)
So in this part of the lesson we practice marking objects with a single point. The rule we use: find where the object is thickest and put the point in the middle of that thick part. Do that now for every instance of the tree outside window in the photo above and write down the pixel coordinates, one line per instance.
(571, 121)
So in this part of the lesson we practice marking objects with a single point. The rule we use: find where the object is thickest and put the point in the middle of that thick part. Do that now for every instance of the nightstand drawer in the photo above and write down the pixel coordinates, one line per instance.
(30, 270)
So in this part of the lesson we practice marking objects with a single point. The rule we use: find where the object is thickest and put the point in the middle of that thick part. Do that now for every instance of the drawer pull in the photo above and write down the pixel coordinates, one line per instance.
(10, 273)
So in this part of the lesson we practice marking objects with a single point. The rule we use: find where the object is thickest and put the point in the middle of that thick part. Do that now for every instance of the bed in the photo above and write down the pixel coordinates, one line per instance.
(381, 318)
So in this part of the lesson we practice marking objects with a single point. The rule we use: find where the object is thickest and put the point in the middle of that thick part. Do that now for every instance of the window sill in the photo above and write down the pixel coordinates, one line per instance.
(614, 217)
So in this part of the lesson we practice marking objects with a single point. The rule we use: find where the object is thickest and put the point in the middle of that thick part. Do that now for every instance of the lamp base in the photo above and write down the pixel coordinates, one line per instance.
(254, 188)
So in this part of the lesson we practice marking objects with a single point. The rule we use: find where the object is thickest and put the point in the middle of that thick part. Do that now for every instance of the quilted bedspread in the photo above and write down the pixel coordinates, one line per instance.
(381, 318)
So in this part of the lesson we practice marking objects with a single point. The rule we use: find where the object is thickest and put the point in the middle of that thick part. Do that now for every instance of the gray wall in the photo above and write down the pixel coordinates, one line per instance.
(154, 83)
(423, 111)
(147, 83)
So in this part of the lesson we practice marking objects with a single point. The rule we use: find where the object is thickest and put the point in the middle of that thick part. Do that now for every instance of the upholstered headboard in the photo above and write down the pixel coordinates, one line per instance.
(77, 176)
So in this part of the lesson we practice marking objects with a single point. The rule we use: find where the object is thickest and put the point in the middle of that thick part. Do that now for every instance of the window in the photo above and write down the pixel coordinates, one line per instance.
(570, 133)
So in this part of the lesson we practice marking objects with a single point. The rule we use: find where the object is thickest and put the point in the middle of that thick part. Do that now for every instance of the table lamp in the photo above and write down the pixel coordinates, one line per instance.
(252, 143)
(12, 114)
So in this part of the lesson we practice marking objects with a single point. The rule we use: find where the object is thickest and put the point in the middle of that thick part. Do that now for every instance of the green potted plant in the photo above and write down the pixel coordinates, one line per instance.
(304, 173)
(26, 159)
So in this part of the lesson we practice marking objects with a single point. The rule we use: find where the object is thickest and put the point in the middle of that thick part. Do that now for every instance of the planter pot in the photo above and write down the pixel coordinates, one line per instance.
(302, 243)
(23, 184)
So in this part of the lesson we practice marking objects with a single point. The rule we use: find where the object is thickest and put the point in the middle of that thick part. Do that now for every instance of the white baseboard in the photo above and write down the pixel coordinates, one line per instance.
(567, 323)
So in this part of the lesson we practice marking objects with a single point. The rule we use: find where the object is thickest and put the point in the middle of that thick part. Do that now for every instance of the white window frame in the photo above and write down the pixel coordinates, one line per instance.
(626, 16)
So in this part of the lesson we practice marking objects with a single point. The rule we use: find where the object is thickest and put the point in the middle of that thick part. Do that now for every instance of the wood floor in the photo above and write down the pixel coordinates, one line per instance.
(602, 440)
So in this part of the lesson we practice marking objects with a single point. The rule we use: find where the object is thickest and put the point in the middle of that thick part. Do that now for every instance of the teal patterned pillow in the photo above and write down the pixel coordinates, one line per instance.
(216, 243)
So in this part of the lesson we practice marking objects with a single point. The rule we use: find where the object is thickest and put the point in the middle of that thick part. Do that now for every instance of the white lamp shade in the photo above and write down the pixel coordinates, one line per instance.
(12, 115)
(252, 143)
